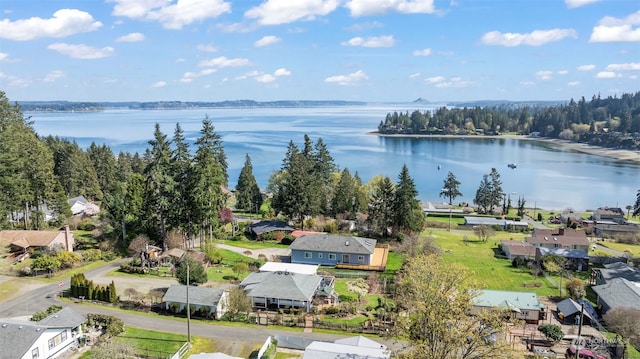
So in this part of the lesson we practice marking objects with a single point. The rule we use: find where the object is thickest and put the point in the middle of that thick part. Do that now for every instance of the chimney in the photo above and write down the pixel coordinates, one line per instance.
(68, 240)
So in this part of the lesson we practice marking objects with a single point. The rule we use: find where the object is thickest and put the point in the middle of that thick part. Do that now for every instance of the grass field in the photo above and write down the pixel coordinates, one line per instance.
(489, 271)
(634, 249)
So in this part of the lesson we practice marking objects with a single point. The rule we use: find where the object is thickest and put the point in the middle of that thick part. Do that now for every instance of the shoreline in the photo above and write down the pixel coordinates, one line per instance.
(617, 154)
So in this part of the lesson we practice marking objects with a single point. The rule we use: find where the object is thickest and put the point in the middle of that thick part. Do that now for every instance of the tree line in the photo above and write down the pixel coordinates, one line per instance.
(608, 122)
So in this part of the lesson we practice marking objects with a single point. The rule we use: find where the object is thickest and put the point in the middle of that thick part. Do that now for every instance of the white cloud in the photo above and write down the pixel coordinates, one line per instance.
(423, 52)
(276, 12)
(65, 22)
(349, 79)
(606, 75)
(633, 66)
(573, 83)
(586, 67)
(171, 15)
(132, 37)
(562, 72)
(377, 7)
(3, 56)
(83, 52)
(435, 79)
(374, 41)
(282, 72)
(365, 26)
(53, 76)
(611, 29)
(266, 41)
(534, 38)
(544, 75)
(159, 84)
(222, 61)
(415, 75)
(265, 78)
(572, 4)
(454, 82)
(189, 76)
(207, 48)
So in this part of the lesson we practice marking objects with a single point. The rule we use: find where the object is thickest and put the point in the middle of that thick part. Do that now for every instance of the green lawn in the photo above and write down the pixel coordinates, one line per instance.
(254, 244)
(151, 342)
(633, 248)
(489, 272)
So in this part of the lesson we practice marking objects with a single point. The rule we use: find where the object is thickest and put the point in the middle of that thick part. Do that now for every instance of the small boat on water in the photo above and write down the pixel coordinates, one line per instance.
(512, 165)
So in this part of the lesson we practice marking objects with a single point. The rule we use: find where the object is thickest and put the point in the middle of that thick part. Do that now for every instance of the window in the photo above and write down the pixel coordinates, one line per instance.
(308, 255)
(319, 255)
(35, 353)
(360, 258)
(52, 343)
(332, 256)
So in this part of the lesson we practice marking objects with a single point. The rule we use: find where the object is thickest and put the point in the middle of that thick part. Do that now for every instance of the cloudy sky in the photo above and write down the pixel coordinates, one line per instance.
(365, 50)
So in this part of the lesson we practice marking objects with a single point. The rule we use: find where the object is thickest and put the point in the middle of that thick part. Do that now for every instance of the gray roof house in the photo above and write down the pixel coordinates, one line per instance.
(612, 271)
(569, 312)
(618, 293)
(48, 338)
(259, 228)
(212, 302)
(276, 290)
(329, 250)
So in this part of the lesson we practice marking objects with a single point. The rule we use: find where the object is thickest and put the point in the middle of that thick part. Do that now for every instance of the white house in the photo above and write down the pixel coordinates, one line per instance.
(213, 301)
(49, 338)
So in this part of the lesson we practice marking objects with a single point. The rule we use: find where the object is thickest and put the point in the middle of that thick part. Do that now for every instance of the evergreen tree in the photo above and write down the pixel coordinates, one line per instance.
(160, 183)
(345, 195)
(496, 192)
(636, 206)
(381, 215)
(181, 214)
(483, 195)
(450, 188)
(248, 196)
(197, 272)
(324, 167)
(105, 166)
(407, 212)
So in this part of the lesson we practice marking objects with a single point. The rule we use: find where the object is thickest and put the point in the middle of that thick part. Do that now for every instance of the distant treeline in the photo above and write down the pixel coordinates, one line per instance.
(66, 106)
(610, 122)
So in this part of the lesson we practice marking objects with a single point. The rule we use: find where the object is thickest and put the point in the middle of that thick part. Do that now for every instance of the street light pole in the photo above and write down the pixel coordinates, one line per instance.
(188, 309)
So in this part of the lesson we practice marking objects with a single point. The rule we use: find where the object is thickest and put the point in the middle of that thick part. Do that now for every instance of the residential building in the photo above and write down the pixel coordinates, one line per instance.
(289, 267)
(354, 348)
(29, 241)
(518, 249)
(329, 250)
(281, 290)
(522, 305)
(559, 238)
(613, 271)
(212, 302)
(570, 311)
(49, 338)
(617, 293)
(256, 230)
(576, 259)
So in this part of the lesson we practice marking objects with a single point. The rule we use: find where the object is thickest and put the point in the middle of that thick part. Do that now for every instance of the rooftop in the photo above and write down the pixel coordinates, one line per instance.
(333, 243)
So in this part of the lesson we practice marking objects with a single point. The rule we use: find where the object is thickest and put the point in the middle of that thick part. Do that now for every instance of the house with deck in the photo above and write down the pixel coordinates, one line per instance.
(52, 337)
(613, 271)
(559, 238)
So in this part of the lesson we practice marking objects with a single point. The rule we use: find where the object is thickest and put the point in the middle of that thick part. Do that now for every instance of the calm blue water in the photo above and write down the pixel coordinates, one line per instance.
(548, 176)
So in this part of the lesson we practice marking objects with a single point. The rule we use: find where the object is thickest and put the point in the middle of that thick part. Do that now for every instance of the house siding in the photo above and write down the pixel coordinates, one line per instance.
(323, 258)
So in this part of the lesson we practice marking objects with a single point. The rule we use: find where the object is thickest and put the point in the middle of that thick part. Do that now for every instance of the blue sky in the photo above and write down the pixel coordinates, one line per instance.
(364, 50)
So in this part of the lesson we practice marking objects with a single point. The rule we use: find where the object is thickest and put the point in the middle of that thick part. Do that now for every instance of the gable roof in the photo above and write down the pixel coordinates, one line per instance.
(289, 267)
(619, 292)
(361, 341)
(327, 350)
(619, 270)
(283, 285)
(20, 335)
(569, 307)
(270, 226)
(29, 238)
(197, 295)
(332, 243)
(564, 252)
(564, 236)
(518, 248)
(508, 299)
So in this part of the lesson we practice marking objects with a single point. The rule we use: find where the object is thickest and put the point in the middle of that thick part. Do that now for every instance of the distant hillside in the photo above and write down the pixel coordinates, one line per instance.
(506, 103)
(67, 106)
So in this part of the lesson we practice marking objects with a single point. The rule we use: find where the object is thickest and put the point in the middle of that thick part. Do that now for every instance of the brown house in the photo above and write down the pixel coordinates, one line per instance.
(559, 238)
(29, 241)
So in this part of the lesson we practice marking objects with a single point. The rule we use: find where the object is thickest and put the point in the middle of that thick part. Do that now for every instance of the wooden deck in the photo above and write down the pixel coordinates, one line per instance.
(378, 260)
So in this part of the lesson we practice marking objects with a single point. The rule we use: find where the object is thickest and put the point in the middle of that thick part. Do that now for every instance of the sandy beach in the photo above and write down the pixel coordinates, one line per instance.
(621, 155)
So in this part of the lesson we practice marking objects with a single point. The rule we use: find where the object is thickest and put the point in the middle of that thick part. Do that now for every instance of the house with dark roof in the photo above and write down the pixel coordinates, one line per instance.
(212, 302)
(569, 312)
(330, 250)
(49, 338)
(281, 290)
(576, 259)
(559, 238)
(522, 305)
(613, 271)
(255, 230)
(617, 293)
(28, 240)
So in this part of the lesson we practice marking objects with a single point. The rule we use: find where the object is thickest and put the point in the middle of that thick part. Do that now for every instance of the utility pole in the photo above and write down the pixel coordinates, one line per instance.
(580, 330)
(188, 308)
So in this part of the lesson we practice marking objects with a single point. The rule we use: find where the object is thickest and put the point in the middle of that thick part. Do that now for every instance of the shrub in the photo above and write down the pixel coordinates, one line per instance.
(287, 240)
(86, 225)
(331, 310)
(551, 331)
(91, 255)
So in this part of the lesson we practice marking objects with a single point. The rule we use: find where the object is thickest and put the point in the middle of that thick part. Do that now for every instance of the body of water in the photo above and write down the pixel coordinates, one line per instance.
(548, 176)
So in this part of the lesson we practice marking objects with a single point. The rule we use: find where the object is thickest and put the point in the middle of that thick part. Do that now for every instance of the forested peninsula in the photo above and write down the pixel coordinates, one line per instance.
(612, 122)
